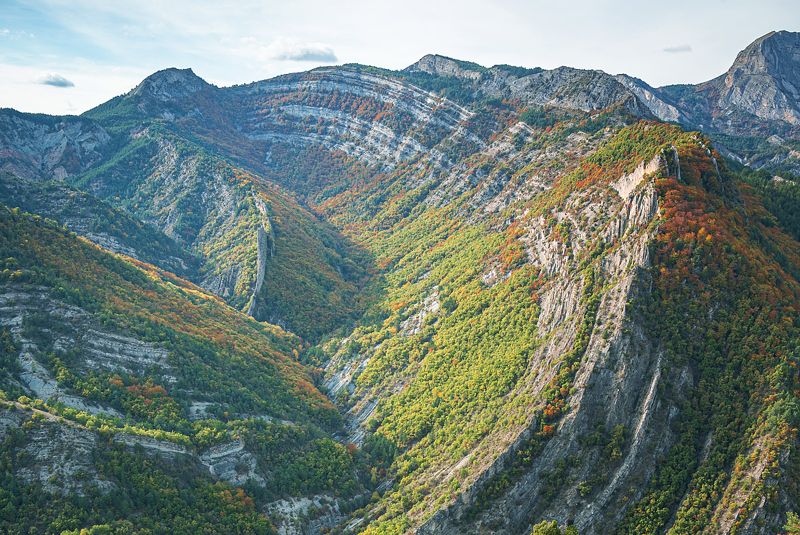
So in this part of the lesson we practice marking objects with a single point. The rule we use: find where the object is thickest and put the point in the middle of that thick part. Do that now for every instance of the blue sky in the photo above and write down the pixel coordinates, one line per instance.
(66, 56)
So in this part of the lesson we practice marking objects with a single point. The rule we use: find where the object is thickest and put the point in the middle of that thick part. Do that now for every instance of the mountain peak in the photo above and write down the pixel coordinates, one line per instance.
(776, 53)
(444, 66)
(170, 83)
(764, 80)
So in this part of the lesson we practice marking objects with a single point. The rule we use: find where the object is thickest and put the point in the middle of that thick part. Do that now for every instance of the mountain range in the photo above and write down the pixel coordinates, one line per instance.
(441, 300)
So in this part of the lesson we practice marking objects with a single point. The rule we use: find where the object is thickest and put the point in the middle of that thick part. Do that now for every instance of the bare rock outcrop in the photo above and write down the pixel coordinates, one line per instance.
(45, 148)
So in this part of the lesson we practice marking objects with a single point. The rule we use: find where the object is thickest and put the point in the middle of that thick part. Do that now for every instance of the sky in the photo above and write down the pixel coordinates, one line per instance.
(67, 56)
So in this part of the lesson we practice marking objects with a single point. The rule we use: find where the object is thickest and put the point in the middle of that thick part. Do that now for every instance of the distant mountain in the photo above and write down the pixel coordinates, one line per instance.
(753, 108)
(441, 300)
(46, 147)
(751, 111)
(564, 87)
(764, 81)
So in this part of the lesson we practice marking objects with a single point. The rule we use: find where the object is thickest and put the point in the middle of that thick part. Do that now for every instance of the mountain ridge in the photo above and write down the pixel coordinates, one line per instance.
(411, 302)
(735, 112)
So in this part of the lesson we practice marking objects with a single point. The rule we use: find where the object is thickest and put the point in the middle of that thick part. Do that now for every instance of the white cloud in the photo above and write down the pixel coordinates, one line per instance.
(15, 34)
(679, 49)
(56, 80)
(283, 49)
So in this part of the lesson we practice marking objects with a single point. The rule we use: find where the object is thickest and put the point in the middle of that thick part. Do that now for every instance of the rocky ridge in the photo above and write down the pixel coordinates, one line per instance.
(539, 198)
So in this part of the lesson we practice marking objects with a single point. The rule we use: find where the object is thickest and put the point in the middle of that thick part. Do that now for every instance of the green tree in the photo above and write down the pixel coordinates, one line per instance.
(792, 526)
(550, 527)
(546, 527)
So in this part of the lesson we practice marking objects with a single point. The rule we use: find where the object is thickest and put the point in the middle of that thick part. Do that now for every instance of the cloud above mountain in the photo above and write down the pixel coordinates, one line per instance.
(290, 50)
(56, 80)
(679, 49)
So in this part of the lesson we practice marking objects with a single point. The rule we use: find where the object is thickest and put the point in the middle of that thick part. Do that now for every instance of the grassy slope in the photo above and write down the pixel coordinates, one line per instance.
(136, 297)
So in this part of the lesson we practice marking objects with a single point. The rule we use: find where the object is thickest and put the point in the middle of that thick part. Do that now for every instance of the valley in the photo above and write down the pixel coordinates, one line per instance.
(446, 299)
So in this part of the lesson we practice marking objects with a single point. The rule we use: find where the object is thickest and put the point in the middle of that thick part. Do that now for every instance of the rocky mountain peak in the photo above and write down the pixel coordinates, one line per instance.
(776, 54)
(765, 79)
(169, 84)
(444, 66)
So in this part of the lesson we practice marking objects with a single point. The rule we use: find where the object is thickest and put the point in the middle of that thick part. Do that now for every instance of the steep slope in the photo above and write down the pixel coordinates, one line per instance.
(90, 217)
(762, 82)
(141, 371)
(46, 262)
(172, 95)
(516, 369)
(40, 153)
(758, 93)
(317, 134)
(311, 130)
(697, 433)
(258, 248)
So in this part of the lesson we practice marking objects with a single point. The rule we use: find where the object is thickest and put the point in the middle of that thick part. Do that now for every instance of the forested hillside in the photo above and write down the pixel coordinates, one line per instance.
(150, 389)
(442, 300)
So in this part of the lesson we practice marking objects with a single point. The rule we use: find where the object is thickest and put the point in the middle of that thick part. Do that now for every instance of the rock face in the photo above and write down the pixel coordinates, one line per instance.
(564, 87)
(758, 93)
(266, 250)
(764, 81)
(569, 88)
(652, 98)
(301, 516)
(68, 329)
(170, 85)
(59, 455)
(109, 227)
(444, 66)
(232, 463)
(44, 147)
(614, 387)
(379, 120)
